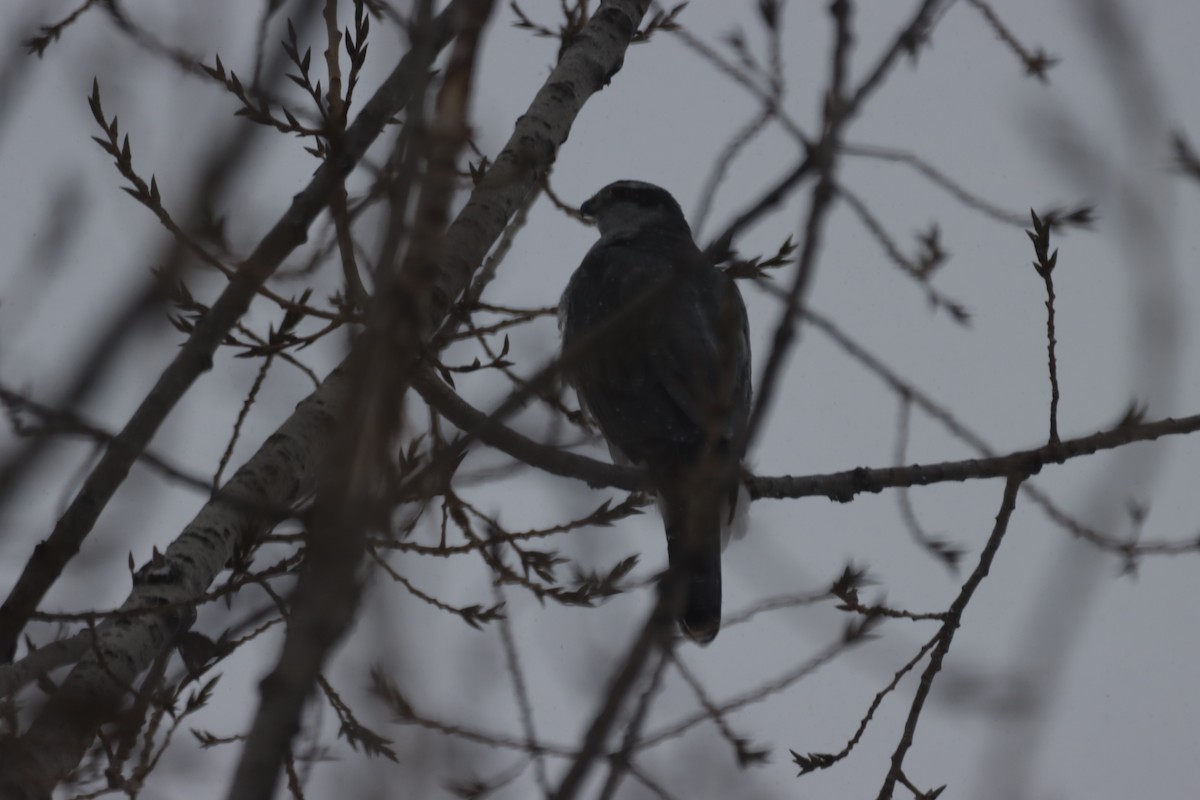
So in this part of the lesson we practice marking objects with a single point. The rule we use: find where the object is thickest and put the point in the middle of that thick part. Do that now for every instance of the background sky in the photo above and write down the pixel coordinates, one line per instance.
(1106, 660)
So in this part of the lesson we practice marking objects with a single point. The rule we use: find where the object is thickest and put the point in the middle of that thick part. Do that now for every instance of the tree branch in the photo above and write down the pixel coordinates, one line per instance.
(285, 467)
(840, 486)
(195, 357)
(953, 620)
(353, 477)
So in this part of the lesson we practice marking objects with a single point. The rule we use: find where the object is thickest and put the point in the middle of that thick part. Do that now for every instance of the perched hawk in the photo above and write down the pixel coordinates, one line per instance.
(656, 343)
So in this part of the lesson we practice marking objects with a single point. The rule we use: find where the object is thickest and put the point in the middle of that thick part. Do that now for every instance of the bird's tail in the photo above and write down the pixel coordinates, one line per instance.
(694, 551)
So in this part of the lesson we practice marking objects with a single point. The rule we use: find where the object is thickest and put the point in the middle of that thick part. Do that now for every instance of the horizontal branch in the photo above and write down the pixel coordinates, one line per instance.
(840, 486)
(843, 486)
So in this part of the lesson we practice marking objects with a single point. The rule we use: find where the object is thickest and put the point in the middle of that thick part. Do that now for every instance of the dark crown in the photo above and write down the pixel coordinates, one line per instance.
(638, 193)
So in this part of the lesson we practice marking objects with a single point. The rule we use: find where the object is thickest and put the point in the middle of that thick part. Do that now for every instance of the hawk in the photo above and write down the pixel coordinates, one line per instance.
(656, 344)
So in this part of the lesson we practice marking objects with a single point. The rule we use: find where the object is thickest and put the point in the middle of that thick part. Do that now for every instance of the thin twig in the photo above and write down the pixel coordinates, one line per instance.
(946, 635)
(938, 178)
(738, 142)
(620, 762)
(1046, 261)
(854, 635)
(259, 378)
(654, 634)
(329, 589)
(938, 548)
(521, 693)
(743, 752)
(812, 762)
(195, 356)
(1036, 63)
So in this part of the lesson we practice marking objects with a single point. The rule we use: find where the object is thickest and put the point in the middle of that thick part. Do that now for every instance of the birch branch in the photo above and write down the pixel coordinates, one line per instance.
(285, 467)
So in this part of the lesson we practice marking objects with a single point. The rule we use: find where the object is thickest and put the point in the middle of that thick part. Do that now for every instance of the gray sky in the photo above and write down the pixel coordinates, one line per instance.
(1115, 655)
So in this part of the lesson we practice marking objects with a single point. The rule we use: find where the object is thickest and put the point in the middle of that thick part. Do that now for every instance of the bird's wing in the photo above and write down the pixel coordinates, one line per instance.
(617, 378)
(704, 361)
(653, 388)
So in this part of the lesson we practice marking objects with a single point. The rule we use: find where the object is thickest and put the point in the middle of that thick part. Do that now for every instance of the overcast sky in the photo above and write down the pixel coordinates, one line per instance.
(1109, 659)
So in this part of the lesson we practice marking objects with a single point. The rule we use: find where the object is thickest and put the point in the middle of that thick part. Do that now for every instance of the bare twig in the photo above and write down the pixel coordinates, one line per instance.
(195, 357)
(840, 107)
(810, 762)
(620, 762)
(931, 258)
(1040, 236)
(329, 589)
(738, 142)
(259, 378)
(946, 635)
(1037, 63)
(840, 486)
(940, 549)
(937, 178)
(654, 634)
(512, 661)
(405, 713)
(853, 635)
(743, 750)
(55, 422)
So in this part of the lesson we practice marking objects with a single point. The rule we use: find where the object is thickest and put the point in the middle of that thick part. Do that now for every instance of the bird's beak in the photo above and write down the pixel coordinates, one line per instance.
(588, 209)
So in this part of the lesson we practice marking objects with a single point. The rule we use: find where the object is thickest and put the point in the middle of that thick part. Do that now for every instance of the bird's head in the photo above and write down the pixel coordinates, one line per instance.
(630, 206)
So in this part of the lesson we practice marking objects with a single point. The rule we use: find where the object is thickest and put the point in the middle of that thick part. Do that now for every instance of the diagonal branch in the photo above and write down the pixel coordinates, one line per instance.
(285, 468)
(349, 483)
(195, 357)
(946, 636)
